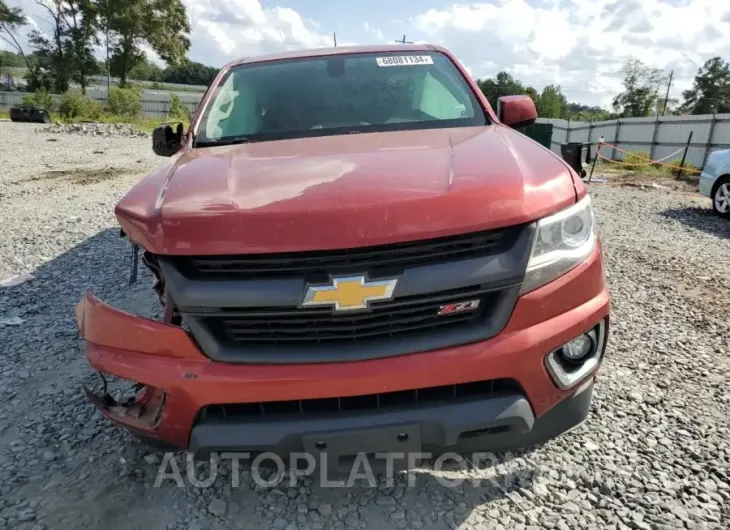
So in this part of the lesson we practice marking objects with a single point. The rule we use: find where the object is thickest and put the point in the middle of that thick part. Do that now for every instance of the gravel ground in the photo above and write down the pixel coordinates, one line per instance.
(655, 453)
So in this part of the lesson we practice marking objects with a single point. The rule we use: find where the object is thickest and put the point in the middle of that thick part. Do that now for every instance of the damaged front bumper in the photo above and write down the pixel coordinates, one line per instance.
(142, 410)
(125, 348)
(178, 381)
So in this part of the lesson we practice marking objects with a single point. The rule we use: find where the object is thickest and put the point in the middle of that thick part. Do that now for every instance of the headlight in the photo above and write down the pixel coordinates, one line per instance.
(562, 241)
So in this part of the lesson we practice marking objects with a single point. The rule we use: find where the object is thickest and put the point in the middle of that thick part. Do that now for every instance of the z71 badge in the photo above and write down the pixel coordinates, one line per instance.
(459, 307)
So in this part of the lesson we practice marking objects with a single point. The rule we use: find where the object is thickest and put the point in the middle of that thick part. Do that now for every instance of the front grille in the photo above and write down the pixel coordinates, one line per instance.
(399, 317)
(376, 261)
(367, 403)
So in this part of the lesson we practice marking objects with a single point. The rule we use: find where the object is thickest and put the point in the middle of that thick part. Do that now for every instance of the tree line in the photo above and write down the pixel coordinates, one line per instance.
(78, 27)
(123, 27)
(643, 94)
(550, 103)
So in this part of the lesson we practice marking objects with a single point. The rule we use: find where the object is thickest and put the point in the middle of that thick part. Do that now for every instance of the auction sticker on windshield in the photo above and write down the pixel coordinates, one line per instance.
(404, 60)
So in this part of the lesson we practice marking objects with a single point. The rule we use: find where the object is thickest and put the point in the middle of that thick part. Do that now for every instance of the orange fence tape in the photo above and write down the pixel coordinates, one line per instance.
(618, 162)
(617, 148)
(599, 143)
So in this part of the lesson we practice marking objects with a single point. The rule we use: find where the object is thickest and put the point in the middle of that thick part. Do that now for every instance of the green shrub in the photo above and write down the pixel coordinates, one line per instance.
(177, 110)
(636, 157)
(76, 106)
(41, 99)
(688, 170)
(124, 101)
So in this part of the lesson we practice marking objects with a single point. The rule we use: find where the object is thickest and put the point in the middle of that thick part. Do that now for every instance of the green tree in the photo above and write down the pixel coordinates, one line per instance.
(189, 73)
(146, 70)
(80, 19)
(711, 89)
(11, 60)
(578, 112)
(162, 24)
(641, 85)
(551, 103)
(11, 20)
(503, 85)
(671, 104)
(51, 52)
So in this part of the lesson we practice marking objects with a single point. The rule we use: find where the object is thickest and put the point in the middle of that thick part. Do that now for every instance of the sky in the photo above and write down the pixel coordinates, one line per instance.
(578, 44)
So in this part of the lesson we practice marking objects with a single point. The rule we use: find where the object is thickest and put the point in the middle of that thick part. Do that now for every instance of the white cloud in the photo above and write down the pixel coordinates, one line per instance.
(581, 44)
(224, 31)
(374, 32)
(22, 33)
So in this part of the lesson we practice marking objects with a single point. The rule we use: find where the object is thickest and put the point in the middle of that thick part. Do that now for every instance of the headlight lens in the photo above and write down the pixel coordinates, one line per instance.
(563, 240)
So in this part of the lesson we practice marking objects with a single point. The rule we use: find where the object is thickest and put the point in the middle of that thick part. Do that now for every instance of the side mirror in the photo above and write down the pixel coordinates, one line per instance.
(167, 139)
(516, 111)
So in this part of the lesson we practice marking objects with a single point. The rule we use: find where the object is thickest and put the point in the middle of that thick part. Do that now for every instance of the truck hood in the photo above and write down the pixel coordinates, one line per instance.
(337, 192)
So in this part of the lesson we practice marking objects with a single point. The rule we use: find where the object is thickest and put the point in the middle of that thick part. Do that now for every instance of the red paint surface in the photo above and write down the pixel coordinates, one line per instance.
(343, 192)
(517, 111)
(163, 356)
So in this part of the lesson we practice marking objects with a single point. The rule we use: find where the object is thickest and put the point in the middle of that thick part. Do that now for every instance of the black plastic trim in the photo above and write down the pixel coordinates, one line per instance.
(499, 423)
(507, 267)
(370, 349)
(502, 273)
(439, 425)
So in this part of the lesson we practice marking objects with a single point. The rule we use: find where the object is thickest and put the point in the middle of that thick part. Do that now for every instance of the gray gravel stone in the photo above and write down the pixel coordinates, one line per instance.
(96, 129)
(217, 507)
(655, 451)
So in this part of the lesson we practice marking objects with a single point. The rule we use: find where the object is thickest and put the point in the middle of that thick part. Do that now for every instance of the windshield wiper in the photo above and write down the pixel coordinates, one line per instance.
(229, 141)
(238, 140)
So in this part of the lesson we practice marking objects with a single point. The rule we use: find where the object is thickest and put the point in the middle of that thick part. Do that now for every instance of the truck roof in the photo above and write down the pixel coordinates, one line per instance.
(339, 50)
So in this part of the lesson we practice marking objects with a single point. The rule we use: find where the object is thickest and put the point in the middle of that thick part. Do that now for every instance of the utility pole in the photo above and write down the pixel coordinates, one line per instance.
(334, 36)
(666, 98)
(403, 41)
(108, 65)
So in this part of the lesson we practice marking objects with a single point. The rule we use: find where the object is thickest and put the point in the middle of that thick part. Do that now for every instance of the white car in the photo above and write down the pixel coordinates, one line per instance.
(715, 182)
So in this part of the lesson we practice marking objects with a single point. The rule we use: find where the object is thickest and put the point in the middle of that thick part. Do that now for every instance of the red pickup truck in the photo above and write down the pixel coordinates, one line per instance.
(355, 253)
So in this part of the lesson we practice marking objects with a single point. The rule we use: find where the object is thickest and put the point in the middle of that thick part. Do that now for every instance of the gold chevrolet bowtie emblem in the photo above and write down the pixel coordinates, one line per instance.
(352, 292)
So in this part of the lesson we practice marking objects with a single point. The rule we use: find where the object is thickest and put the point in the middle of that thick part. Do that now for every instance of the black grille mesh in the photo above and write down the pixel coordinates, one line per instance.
(286, 326)
(365, 403)
(376, 260)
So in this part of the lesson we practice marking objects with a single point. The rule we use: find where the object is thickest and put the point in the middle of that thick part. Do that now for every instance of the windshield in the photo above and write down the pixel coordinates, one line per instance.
(340, 94)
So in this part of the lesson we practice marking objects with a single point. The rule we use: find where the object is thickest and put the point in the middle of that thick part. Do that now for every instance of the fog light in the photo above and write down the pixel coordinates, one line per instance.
(579, 347)
(575, 360)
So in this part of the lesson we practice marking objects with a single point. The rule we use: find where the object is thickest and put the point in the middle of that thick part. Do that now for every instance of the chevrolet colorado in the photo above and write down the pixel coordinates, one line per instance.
(355, 253)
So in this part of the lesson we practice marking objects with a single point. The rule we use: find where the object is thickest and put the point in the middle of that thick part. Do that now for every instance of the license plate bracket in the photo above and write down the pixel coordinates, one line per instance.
(340, 448)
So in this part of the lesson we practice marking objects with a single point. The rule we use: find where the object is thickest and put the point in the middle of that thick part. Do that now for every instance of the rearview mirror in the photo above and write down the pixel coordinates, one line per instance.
(516, 111)
(167, 139)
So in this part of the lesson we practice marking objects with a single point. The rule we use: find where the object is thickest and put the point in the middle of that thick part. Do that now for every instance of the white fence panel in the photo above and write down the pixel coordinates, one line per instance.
(709, 133)
(677, 132)
(632, 135)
